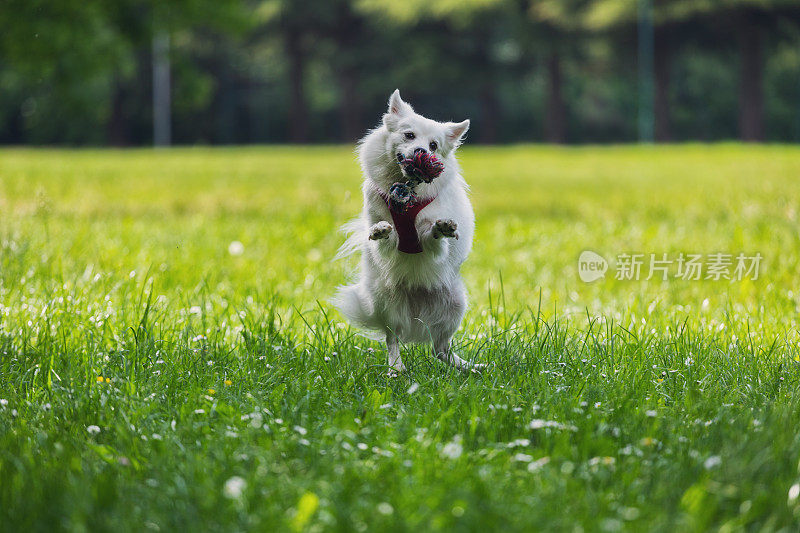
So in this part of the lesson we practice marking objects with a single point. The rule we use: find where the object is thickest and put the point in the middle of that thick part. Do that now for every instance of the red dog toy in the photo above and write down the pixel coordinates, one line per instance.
(423, 166)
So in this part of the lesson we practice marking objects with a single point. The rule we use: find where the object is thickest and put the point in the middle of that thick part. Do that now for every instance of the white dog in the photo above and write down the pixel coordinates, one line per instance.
(409, 287)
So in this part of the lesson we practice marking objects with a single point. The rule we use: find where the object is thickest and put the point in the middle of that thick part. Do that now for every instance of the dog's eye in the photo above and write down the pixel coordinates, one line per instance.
(433, 146)
(410, 135)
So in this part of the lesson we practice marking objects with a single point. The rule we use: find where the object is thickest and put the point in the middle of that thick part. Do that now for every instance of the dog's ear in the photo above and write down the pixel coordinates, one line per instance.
(455, 132)
(397, 108)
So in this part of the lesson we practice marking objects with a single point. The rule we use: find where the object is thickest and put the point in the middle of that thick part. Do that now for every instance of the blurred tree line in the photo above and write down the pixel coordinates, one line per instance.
(246, 71)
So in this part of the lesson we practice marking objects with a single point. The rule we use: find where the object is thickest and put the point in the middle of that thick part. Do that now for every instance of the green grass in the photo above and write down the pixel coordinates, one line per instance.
(667, 405)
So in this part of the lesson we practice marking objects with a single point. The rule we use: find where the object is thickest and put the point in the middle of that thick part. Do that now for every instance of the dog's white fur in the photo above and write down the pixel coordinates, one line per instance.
(410, 297)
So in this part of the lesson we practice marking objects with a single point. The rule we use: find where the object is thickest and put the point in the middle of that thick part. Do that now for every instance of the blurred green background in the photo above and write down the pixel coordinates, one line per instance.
(131, 72)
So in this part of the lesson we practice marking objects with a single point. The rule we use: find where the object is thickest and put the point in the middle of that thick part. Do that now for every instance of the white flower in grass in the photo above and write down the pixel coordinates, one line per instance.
(453, 449)
(538, 423)
(522, 458)
(538, 464)
(3, 402)
(301, 430)
(794, 492)
(93, 430)
(236, 248)
(385, 508)
(712, 462)
(234, 487)
(413, 388)
(606, 461)
(651, 413)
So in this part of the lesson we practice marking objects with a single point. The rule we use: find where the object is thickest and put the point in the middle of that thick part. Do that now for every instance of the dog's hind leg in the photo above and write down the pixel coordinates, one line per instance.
(393, 349)
(443, 353)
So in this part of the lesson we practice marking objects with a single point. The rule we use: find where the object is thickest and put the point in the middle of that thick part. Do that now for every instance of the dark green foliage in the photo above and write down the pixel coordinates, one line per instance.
(79, 72)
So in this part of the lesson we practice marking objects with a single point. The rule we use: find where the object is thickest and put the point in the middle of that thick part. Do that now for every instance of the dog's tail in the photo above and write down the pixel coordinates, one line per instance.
(353, 302)
(356, 233)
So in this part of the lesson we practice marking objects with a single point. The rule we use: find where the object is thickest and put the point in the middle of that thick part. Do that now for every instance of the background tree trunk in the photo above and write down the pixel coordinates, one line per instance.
(350, 105)
(117, 127)
(348, 36)
(298, 112)
(555, 126)
(661, 66)
(490, 111)
(751, 83)
(162, 101)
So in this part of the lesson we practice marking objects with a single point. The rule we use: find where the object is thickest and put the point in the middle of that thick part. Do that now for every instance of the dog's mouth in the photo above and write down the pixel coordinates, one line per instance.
(421, 166)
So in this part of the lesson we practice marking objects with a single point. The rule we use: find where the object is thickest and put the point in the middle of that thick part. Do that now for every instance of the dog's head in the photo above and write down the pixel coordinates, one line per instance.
(412, 137)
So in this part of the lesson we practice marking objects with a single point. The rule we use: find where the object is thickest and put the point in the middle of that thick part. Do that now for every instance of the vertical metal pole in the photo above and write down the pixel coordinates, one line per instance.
(646, 50)
(162, 120)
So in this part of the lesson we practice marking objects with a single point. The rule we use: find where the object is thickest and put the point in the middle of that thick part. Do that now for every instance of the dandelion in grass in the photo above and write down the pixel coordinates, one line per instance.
(453, 449)
(794, 493)
(234, 487)
(538, 464)
(228, 383)
(212, 392)
(595, 462)
(236, 248)
(550, 424)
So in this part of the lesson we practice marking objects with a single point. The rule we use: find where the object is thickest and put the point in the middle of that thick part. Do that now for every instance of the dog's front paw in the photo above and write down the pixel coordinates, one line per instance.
(380, 230)
(445, 228)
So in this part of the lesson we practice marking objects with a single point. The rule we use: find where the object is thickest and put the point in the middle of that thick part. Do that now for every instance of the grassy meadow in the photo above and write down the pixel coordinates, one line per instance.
(169, 359)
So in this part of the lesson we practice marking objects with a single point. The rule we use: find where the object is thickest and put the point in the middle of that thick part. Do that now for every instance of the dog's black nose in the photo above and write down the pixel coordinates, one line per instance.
(423, 150)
